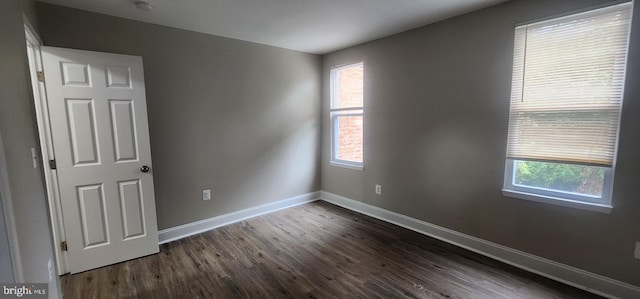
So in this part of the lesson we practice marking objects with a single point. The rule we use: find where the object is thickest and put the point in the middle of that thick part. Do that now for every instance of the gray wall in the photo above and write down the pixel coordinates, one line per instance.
(436, 115)
(19, 133)
(237, 117)
(6, 266)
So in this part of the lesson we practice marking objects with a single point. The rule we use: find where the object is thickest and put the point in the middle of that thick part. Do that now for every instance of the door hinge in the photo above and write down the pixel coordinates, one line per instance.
(52, 164)
(63, 245)
(41, 76)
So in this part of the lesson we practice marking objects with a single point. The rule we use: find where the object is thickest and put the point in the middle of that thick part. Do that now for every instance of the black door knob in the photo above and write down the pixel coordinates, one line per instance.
(145, 168)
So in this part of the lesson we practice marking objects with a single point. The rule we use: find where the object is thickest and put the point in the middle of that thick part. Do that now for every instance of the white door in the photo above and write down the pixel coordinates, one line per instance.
(98, 118)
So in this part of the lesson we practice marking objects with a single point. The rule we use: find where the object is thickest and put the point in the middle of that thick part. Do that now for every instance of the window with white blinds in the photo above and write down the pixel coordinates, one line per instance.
(567, 87)
(566, 101)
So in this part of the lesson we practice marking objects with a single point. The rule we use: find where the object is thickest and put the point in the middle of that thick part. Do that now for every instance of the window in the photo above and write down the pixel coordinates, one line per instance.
(347, 115)
(566, 98)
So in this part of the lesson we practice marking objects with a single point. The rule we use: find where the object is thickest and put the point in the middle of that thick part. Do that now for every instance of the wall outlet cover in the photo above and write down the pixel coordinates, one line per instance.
(206, 194)
(636, 254)
(378, 189)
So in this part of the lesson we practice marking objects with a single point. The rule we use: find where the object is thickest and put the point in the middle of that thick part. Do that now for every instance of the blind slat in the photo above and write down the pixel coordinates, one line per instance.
(567, 87)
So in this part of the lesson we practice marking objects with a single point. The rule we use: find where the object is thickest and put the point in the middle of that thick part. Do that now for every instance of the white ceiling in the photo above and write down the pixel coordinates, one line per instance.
(314, 26)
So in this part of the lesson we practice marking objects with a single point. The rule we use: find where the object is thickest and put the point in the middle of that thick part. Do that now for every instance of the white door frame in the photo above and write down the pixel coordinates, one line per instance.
(46, 146)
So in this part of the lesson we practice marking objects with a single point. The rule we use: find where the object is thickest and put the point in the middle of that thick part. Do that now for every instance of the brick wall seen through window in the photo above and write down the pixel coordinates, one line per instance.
(347, 113)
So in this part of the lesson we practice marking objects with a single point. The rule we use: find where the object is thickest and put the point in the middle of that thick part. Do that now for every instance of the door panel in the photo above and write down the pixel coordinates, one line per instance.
(123, 128)
(93, 215)
(118, 77)
(132, 209)
(75, 74)
(98, 117)
(82, 130)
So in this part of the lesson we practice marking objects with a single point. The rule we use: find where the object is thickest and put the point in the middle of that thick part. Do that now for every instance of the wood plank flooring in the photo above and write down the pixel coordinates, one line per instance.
(316, 250)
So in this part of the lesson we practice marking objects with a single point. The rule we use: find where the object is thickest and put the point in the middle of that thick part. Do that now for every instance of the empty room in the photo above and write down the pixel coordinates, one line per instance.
(319, 149)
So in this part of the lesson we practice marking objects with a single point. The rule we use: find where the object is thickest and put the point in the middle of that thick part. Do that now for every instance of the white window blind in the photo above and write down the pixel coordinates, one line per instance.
(567, 87)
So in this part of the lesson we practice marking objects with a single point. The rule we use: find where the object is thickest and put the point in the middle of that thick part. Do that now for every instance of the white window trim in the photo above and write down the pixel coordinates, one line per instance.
(602, 208)
(353, 111)
(559, 198)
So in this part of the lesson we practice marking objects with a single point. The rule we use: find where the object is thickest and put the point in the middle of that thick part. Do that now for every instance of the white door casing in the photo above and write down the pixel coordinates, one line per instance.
(100, 132)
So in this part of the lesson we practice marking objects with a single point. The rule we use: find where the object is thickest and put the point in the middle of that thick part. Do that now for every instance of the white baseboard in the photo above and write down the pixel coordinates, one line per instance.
(189, 229)
(578, 278)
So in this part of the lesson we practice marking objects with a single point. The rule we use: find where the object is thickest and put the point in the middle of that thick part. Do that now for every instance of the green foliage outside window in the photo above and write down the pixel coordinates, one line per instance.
(565, 177)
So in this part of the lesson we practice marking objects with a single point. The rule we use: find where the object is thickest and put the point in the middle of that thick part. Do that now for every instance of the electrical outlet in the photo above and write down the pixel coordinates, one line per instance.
(636, 254)
(379, 189)
(50, 271)
(206, 194)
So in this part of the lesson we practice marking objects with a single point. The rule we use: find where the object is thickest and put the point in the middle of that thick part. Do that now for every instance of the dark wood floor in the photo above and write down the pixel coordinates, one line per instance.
(316, 250)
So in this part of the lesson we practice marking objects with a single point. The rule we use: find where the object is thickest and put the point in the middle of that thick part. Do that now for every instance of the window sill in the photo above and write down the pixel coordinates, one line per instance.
(596, 207)
(345, 165)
